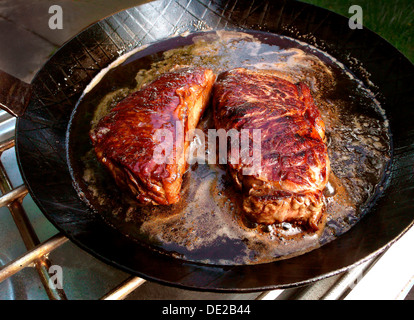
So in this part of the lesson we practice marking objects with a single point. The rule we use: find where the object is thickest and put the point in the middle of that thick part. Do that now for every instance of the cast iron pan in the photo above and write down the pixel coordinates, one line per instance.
(41, 137)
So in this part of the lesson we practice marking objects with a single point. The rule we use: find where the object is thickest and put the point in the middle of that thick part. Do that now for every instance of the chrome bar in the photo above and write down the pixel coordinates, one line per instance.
(124, 289)
(9, 197)
(29, 257)
(6, 144)
(26, 230)
(350, 279)
(270, 295)
(346, 282)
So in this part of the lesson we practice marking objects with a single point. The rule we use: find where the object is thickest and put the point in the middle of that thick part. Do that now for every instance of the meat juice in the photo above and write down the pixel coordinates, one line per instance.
(207, 226)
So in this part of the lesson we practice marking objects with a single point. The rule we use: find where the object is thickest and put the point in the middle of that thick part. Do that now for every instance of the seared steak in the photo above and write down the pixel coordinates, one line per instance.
(294, 164)
(126, 139)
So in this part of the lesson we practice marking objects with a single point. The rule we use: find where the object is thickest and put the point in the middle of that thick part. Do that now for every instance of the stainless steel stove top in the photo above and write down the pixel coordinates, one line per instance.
(30, 245)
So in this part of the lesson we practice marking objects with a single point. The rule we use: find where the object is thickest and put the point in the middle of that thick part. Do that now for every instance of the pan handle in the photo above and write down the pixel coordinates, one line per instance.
(14, 94)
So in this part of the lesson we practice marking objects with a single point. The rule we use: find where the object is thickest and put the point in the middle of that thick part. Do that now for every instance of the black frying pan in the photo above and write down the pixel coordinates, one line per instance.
(41, 137)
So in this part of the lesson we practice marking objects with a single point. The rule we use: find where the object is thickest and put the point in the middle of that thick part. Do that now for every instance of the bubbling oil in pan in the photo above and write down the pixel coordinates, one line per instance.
(207, 225)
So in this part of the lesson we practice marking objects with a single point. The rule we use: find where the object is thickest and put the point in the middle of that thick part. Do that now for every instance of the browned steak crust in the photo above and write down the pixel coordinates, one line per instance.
(125, 139)
(294, 163)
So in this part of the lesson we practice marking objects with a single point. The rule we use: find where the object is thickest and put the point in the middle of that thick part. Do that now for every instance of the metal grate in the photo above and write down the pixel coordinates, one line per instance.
(37, 252)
